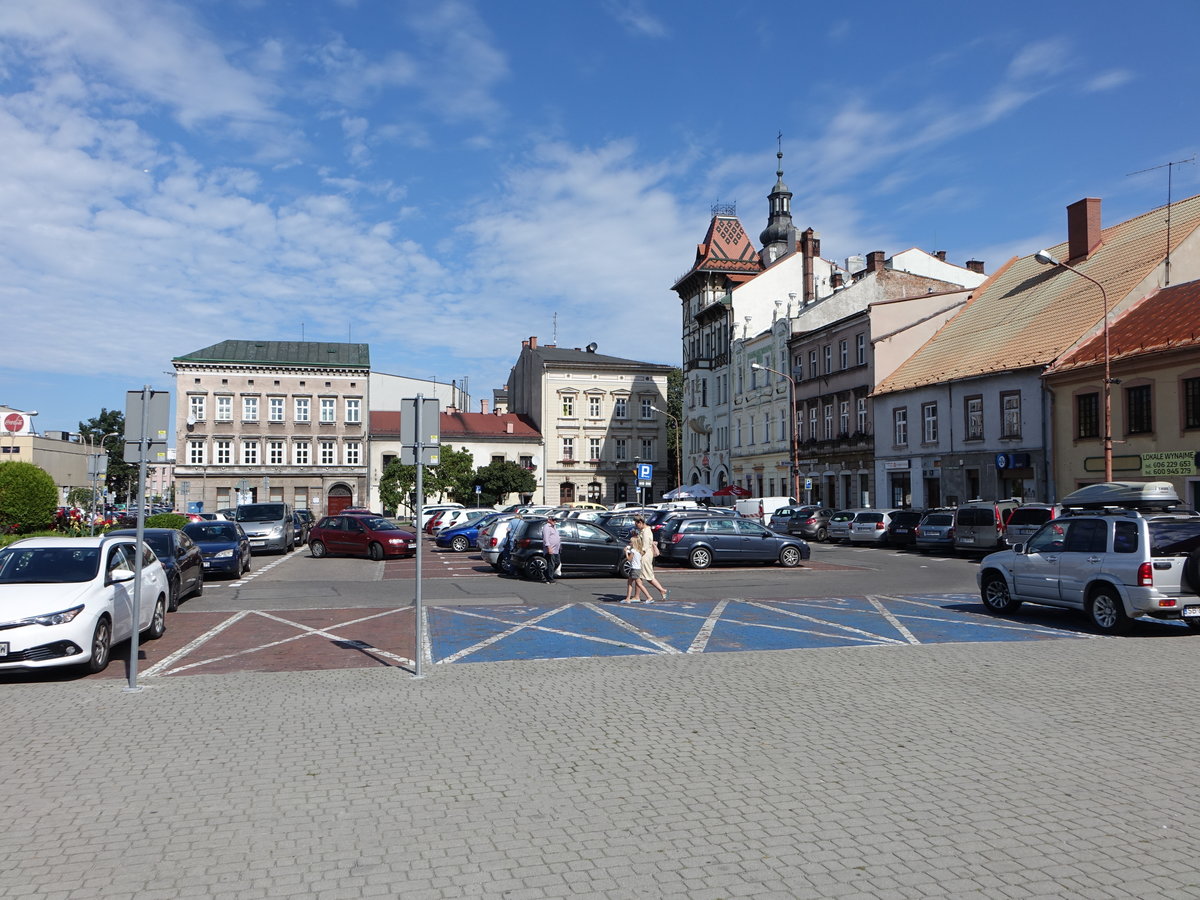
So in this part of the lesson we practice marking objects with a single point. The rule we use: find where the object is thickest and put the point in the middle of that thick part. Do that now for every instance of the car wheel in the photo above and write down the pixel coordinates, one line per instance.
(822, 535)
(199, 591)
(317, 548)
(460, 544)
(375, 551)
(625, 569)
(246, 564)
(700, 558)
(1107, 612)
(101, 644)
(173, 594)
(536, 567)
(158, 621)
(996, 596)
(789, 557)
(505, 564)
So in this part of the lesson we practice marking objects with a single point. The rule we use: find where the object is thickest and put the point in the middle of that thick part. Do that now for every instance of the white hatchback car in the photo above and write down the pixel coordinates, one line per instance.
(66, 601)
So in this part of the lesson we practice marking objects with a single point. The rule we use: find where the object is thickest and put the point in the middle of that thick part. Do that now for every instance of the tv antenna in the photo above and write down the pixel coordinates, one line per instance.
(1170, 167)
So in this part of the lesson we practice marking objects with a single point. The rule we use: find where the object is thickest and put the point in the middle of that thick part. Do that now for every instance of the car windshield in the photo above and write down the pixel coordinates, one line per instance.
(265, 512)
(378, 524)
(214, 532)
(47, 565)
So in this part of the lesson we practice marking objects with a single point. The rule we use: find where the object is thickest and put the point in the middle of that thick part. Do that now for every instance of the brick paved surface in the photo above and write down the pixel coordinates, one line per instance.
(1054, 768)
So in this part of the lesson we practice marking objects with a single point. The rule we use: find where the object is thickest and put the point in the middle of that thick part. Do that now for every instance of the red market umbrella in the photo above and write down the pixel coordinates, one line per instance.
(732, 490)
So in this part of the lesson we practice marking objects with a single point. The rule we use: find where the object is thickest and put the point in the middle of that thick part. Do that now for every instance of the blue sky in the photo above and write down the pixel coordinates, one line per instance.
(445, 179)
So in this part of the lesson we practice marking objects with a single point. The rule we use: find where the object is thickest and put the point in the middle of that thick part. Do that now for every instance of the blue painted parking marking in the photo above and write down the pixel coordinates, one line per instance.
(574, 630)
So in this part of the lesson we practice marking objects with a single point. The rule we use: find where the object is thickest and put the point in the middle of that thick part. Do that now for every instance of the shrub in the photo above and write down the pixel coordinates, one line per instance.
(28, 498)
(166, 520)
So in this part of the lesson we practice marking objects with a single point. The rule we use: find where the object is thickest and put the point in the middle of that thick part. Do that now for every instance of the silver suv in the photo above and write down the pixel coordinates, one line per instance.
(1113, 564)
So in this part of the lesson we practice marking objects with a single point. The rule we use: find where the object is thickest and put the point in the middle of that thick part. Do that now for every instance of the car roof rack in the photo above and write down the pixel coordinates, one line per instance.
(1135, 495)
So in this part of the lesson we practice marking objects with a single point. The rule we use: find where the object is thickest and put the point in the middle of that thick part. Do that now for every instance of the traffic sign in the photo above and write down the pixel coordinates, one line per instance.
(645, 471)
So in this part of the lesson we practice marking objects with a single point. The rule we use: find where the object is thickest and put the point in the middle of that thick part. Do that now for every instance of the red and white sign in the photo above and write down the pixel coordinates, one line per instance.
(14, 422)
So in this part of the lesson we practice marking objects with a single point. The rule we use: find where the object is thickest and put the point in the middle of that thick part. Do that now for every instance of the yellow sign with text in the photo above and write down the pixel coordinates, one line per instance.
(1176, 462)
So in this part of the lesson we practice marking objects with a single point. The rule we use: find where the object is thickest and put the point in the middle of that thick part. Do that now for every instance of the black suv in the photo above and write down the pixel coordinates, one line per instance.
(586, 547)
(902, 529)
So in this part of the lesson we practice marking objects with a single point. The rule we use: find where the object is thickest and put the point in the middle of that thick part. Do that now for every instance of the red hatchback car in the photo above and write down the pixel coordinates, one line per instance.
(359, 535)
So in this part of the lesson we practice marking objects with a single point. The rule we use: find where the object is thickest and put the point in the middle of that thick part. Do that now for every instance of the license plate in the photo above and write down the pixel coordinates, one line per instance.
(966, 540)
(901, 531)
(208, 565)
(1189, 612)
(4, 649)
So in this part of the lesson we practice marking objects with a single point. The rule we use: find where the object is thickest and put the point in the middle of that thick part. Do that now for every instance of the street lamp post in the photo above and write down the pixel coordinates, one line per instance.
(679, 445)
(795, 431)
(1046, 259)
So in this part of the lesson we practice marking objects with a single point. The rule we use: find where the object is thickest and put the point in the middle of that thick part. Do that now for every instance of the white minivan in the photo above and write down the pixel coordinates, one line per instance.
(760, 508)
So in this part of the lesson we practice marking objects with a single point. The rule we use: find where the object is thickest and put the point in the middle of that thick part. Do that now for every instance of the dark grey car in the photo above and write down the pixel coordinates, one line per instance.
(811, 522)
(935, 531)
(713, 540)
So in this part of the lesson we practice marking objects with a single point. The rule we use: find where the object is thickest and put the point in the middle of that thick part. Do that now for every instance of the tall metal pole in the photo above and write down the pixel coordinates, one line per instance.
(418, 600)
(141, 537)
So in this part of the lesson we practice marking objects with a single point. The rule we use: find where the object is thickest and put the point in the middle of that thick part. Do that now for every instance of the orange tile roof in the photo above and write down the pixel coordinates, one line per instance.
(726, 248)
(1028, 314)
(454, 425)
(1168, 319)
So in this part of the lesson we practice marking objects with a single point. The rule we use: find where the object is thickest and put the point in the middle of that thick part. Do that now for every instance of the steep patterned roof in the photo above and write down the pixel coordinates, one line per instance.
(1168, 319)
(1028, 314)
(301, 353)
(726, 248)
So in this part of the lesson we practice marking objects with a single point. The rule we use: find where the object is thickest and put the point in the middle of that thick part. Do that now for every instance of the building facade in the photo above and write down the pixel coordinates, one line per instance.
(272, 420)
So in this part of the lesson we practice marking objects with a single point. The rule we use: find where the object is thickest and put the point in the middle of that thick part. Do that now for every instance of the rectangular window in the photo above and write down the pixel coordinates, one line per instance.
(568, 406)
(249, 409)
(844, 417)
(1010, 403)
(974, 414)
(812, 364)
(929, 423)
(900, 426)
(328, 409)
(622, 408)
(224, 409)
(1137, 410)
(196, 408)
(622, 449)
(860, 349)
(1191, 403)
(1087, 416)
(354, 411)
(593, 448)
(196, 453)
(647, 448)
(301, 453)
(844, 353)
(250, 453)
(303, 409)
(828, 420)
(594, 407)
(647, 409)
(328, 453)
(275, 411)
(828, 358)
(862, 415)
(568, 448)
(812, 422)
(353, 453)
(275, 453)
(224, 453)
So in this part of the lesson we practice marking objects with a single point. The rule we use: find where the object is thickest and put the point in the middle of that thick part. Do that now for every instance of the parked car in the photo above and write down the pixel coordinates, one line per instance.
(376, 537)
(811, 523)
(779, 520)
(300, 529)
(428, 512)
(839, 524)
(1113, 564)
(268, 525)
(493, 541)
(584, 504)
(979, 525)
(223, 545)
(307, 516)
(181, 560)
(1027, 519)
(586, 547)
(703, 541)
(761, 508)
(935, 531)
(454, 517)
(902, 529)
(658, 519)
(211, 517)
(462, 537)
(66, 601)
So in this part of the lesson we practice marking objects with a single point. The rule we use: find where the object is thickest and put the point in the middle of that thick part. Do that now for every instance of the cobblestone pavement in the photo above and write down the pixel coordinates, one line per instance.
(1055, 768)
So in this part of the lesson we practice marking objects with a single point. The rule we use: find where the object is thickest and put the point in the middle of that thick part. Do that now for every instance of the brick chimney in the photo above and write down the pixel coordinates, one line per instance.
(875, 261)
(835, 280)
(533, 342)
(810, 247)
(483, 406)
(1083, 227)
(940, 254)
(975, 265)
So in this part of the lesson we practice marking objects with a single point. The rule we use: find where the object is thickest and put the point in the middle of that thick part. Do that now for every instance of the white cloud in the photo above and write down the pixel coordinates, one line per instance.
(633, 16)
(1107, 81)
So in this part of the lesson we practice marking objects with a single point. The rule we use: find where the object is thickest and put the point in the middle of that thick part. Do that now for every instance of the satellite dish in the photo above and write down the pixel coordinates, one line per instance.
(591, 348)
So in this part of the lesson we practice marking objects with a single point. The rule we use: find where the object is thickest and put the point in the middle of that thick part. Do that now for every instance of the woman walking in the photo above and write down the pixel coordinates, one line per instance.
(634, 587)
(643, 542)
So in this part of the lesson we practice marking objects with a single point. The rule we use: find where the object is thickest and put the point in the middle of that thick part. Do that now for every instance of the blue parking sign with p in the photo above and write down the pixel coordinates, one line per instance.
(645, 471)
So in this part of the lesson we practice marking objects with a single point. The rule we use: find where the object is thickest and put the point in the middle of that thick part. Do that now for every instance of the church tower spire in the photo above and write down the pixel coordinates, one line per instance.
(778, 236)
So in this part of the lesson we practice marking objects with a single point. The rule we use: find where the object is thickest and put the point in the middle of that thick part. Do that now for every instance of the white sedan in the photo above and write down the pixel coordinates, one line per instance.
(66, 601)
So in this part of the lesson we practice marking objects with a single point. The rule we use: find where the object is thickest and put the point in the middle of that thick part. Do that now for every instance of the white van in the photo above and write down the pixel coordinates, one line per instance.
(760, 508)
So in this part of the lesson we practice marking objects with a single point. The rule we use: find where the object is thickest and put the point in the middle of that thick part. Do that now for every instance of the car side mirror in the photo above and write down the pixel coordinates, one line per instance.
(1019, 548)
(117, 575)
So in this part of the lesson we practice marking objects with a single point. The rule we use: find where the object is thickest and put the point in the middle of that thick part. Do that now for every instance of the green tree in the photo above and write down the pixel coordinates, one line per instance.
(501, 478)
(674, 437)
(453, 476)
(80, 497)
(28, 498)
(122, 476)
(396, 484)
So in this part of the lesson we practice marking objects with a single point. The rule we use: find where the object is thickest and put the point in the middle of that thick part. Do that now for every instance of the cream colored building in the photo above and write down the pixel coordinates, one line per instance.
(596, 415)
(272, 420)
